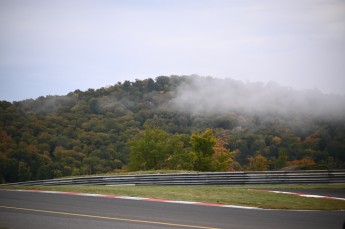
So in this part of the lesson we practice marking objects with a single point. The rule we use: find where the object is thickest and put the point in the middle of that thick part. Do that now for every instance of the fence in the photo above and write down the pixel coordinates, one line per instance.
(214, 178)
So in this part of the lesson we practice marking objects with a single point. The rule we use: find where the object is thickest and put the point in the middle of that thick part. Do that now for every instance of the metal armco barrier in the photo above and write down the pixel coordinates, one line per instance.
(214, 178)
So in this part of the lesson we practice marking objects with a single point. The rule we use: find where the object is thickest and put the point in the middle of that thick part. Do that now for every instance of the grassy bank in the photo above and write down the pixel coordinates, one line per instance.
(235, 195)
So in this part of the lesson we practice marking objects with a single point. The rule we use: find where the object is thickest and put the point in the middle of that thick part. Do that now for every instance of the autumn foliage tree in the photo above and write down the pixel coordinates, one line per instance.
(211, 153)
(257, 163)
(222, 158)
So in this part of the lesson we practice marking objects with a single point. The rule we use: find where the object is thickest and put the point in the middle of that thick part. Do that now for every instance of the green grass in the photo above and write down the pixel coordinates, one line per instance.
(235, 195)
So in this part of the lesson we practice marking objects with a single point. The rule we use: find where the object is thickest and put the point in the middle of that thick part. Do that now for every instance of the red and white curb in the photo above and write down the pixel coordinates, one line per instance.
(303, 195)
(177, 201)
(138, 198)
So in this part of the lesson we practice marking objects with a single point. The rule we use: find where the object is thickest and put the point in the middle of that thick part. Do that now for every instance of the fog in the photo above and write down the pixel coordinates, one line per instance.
(208, 96)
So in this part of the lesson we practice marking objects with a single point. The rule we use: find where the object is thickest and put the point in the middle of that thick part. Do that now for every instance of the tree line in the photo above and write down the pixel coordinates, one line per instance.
(155, 149)
(130, 126)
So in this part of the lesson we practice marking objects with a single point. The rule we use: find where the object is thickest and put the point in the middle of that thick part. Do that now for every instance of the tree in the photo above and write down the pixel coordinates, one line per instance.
(24, 172)
(202, 146)
(8, 169)
(162, 83)
(148, 150)
(281, 162)
(257, 163)
(222, 158)
(306, 161)
(180, 154)
(92, 165)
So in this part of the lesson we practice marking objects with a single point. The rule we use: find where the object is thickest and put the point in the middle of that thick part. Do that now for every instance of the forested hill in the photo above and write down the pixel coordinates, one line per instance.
(176, 122)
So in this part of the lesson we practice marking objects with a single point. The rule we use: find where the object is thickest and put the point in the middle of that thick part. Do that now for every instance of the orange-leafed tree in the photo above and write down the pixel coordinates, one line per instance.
(222, 158)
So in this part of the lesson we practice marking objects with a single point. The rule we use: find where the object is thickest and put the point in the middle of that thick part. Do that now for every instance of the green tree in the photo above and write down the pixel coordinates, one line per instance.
(282, 160)
(148, 150)
(92, 165)
(180, 155)
(202, 146)
(24, 172)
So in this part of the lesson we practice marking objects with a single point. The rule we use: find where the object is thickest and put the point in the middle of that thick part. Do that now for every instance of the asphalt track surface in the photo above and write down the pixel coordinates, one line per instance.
(42, 210)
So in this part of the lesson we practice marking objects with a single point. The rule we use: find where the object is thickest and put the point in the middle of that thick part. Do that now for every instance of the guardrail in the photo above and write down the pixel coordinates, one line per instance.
(214, 178)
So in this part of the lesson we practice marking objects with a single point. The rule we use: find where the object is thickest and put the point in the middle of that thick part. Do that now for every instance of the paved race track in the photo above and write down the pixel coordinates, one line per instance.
(41, 210)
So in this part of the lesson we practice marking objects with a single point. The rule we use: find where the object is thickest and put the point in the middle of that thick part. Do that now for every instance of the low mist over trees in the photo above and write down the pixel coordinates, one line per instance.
(176, 122)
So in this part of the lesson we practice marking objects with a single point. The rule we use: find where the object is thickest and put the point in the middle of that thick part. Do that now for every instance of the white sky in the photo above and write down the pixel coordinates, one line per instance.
(55, 47)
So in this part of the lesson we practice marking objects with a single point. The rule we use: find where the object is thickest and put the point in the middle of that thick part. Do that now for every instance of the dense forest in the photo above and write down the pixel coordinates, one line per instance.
(170, 123)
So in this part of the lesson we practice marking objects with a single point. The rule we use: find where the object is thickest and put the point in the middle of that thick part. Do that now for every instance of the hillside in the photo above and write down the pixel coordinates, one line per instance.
(96, 131)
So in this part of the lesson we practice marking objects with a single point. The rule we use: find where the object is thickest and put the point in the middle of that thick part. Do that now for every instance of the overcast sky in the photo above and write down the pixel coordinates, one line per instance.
(55, 47)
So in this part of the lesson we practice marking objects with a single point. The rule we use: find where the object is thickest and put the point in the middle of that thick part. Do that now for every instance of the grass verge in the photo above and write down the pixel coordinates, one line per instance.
(235, 195)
